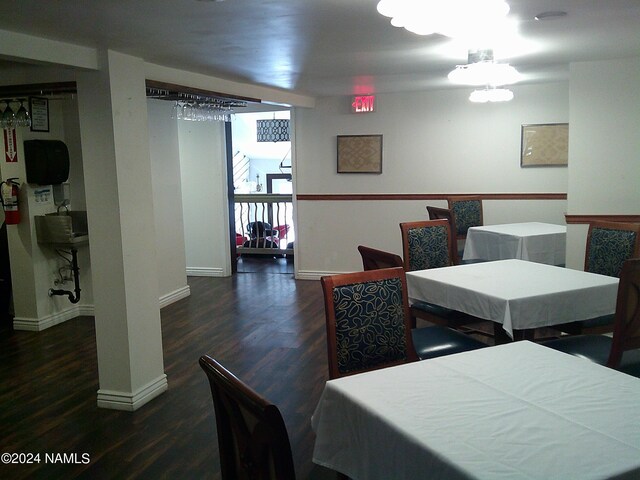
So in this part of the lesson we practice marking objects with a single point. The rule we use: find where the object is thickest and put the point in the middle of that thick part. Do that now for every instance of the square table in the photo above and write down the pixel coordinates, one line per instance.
(514, 411)
(518, 294)
(534, 241)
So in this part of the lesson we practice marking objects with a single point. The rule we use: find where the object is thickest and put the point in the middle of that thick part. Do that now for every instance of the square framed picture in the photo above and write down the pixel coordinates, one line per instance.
(360, 154)
(545, 145)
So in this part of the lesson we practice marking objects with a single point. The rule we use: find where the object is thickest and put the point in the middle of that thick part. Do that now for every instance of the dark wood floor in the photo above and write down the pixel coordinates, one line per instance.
(265, 327)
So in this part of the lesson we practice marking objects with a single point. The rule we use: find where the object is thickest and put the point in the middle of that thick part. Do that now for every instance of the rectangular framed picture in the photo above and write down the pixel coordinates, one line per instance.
(39, 110)
(544, 145)
(360, 154)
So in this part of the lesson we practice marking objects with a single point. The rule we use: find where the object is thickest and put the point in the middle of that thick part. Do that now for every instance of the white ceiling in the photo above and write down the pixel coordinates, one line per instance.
(321, 47)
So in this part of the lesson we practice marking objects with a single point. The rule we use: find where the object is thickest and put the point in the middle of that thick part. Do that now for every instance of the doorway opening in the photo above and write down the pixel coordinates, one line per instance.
(260, 177)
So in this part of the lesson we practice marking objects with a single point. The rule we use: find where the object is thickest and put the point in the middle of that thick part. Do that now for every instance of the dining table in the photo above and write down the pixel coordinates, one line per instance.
(518, 294)
(509, 412)
(534, 241)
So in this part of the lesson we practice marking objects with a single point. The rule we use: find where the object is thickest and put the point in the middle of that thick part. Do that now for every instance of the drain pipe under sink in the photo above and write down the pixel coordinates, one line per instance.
(74, 297)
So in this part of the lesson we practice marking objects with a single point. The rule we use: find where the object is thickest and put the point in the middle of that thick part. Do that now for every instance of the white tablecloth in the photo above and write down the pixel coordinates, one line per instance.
(537, 242)
(516, 293)
(515, 411)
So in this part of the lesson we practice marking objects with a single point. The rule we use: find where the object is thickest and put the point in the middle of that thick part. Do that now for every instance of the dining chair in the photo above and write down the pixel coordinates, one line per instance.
(622, 350)
(426, 244)
(374, 259)
(467, 212)
(609, 245)
(429, 244)
(252, 437)
(438, 213)
(369, 327)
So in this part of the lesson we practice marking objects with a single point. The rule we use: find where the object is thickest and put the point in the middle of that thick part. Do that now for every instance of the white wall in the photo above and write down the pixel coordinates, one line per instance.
(206, 220)
(604, 145)
(429, 138)
(167, 200)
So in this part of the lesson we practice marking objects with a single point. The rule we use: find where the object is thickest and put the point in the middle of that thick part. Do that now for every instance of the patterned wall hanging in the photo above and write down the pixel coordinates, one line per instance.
(276, 130)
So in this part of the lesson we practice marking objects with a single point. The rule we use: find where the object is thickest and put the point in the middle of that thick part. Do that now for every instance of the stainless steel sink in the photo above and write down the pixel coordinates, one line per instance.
(65, 229)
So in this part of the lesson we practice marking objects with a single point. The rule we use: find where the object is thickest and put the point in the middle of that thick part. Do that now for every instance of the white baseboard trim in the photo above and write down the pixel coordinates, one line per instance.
(311, 275)
(48, 321)
(131, 401)
(205, 272)
(174, 296)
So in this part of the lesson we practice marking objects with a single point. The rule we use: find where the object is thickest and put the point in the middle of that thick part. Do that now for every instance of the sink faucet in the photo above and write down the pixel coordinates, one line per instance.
(65, 205)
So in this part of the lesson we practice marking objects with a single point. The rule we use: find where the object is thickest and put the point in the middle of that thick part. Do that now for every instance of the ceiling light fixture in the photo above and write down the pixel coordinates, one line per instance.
(467, 19)
(483, 70)
(491, 95)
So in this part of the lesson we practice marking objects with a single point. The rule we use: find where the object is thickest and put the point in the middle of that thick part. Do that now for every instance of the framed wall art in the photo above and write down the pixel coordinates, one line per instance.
(360, 154)
(544, 145)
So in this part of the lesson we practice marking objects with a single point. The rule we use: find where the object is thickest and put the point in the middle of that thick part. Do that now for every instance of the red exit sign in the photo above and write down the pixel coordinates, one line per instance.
(363, 104)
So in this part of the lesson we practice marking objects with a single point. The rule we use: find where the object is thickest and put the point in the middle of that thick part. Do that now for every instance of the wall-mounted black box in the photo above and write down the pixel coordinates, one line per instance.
(46, 161)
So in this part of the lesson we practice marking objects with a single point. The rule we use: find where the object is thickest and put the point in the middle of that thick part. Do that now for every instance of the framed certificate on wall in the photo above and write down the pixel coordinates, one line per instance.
(545, 145)
(39, 108)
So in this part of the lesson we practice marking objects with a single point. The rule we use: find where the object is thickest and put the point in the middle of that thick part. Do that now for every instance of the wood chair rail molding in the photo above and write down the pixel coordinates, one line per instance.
(428, 196)
(588, 219)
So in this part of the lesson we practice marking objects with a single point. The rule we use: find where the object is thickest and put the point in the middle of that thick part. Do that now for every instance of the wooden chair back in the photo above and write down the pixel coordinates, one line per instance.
(374, 259)
(467, 212)
(426, 244)
(368, 321)
(626, 331)
(609, 245)
(438, 213)
(252, 437)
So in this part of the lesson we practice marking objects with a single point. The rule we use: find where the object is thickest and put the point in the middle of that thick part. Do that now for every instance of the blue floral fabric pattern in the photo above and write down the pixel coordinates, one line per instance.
(428, 247)
(369, 324)
(467, 214)
(609, 249)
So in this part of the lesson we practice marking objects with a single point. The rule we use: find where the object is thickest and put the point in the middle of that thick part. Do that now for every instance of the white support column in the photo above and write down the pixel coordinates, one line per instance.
(117, 169)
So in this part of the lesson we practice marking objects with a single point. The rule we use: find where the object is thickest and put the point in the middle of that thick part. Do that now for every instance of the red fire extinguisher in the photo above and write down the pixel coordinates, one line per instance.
(10, 191)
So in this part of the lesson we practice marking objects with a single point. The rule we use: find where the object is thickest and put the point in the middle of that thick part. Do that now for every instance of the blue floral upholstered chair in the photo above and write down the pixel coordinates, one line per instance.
(622, 351)
(428, 244)
(467, 212)
(368, 324)
(438, 213)
(609, 245)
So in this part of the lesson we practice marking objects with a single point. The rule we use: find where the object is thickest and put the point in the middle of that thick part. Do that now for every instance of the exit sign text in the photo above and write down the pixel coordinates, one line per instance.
(363, 104)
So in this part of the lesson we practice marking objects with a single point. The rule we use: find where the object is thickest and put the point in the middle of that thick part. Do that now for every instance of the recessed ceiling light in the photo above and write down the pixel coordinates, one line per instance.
(549, 15)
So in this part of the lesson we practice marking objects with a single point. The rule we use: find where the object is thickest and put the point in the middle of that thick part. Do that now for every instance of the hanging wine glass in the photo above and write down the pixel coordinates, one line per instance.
(8, 117)
(22, 117)
(176, 112)
(4, 107)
